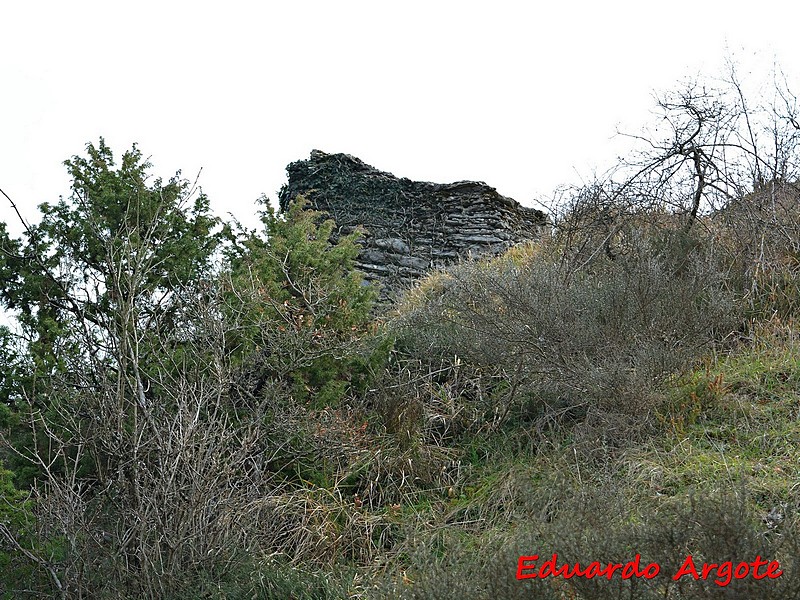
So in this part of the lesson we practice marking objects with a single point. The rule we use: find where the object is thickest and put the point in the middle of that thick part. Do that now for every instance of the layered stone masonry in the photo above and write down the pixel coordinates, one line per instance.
(410, 227)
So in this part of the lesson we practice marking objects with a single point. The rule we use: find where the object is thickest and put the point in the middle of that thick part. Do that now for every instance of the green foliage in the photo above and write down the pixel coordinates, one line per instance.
(16, 519)
(108, 290)
(121, 241)
(14, 506)
(10, 371)
(120, 250)
(302, 304)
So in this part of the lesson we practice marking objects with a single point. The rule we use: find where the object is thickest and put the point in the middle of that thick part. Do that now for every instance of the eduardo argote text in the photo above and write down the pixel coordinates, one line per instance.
(530, 567)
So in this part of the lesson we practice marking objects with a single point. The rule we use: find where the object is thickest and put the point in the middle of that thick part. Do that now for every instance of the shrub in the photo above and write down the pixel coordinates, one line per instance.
(566, 343)
(761, 231)
(301, 305)
(599, 526)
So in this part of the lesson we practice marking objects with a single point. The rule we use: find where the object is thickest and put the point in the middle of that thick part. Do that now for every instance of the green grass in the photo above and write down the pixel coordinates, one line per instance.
(730, 426)
(733, 419)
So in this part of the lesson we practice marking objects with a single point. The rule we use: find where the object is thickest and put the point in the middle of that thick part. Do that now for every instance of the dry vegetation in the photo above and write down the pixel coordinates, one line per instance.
(629, 386)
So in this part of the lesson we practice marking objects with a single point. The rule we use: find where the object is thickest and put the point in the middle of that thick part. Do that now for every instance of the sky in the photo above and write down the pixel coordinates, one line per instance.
(524, 96)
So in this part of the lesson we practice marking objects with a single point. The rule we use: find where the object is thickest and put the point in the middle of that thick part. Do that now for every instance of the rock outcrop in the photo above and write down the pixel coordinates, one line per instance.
(409, 227)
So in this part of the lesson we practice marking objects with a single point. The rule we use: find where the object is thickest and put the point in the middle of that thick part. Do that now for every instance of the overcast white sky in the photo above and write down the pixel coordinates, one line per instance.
(525, 96)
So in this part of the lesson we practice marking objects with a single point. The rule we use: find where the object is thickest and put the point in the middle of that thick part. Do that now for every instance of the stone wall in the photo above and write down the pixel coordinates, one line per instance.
(410, 226)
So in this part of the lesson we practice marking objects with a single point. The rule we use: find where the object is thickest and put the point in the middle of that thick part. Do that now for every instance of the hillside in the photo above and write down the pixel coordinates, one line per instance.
(190, 409)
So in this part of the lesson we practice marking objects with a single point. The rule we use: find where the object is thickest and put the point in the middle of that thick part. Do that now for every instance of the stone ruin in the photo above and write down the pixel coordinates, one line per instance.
(410, 227)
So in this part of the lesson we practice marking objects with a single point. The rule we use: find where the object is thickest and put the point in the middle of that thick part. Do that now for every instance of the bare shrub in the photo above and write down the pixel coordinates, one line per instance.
(717, 162)
(762, 232)
(149, 475)
(564, 343)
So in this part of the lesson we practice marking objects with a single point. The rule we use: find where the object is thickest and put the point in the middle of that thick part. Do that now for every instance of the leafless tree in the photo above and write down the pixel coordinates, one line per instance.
(718, 162)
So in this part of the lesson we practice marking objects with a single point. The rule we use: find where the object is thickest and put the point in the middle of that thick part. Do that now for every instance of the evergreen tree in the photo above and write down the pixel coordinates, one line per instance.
(307, 305)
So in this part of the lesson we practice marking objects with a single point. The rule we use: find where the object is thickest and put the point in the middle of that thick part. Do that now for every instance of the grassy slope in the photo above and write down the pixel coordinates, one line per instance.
(730, 426)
